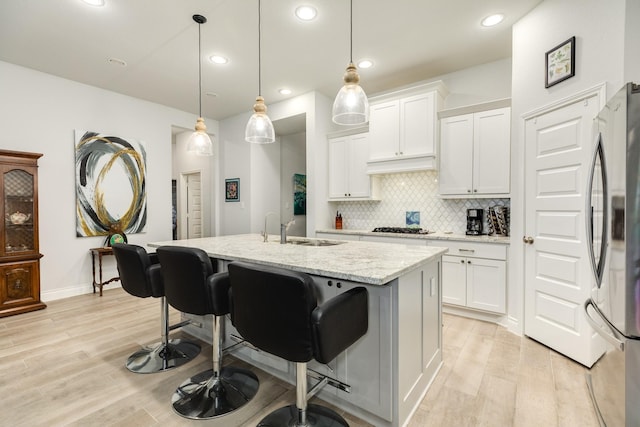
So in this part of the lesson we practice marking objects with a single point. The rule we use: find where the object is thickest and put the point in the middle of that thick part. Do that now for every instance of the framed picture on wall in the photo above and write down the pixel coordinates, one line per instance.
(560, 63)
(232, 190)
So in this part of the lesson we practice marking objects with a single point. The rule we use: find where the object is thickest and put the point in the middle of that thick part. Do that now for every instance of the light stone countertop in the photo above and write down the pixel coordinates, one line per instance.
(365, 262)
(431, 236)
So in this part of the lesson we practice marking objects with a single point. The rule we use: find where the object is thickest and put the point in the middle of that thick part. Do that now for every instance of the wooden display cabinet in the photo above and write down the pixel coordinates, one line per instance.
(19, 250)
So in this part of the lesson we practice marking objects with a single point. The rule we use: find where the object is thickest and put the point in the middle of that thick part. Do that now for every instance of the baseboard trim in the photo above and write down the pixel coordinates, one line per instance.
(72, 291)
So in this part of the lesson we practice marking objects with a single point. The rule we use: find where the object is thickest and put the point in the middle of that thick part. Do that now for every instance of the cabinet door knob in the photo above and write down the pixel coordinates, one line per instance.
(475, 190)
(468, 191)
(461, 261)
(339, 285)
(528, 240)
(468, 262)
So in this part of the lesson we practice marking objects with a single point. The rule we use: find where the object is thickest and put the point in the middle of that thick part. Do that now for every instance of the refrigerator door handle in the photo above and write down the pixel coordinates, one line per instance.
(597, 265)
(612, 336)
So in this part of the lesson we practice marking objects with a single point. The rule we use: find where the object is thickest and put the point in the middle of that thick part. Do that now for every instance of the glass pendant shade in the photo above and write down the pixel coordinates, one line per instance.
(259, 128)
(199, 141)
(351, 106)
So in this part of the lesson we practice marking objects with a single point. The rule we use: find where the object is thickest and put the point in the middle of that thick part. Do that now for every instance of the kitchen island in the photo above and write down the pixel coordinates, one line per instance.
(389, 369)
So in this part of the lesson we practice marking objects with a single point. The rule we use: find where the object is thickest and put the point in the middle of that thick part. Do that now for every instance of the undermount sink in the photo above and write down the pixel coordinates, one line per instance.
(310, 242)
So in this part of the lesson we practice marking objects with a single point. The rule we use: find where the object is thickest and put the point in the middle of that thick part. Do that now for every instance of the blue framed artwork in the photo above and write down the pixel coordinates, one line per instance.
(413, 219)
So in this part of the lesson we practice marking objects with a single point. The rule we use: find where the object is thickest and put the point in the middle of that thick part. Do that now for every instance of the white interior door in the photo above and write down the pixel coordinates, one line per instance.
(192, 203)
(557, 270)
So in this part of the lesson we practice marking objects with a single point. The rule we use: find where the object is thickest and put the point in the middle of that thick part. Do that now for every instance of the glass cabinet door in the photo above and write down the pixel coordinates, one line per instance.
(18, 211)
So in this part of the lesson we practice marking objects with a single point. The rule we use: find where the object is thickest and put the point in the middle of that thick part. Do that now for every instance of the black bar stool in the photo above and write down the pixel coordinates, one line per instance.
(276, 311)
(140, 276)
(192, 287)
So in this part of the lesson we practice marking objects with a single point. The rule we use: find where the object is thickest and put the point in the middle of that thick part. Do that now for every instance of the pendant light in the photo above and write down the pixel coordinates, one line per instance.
(259, 129)
(199, 141)
(351, 106)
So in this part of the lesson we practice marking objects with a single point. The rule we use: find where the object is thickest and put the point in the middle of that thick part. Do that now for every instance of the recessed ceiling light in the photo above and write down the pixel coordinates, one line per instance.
(217, 59)
(306, 13)
(365, 63)
(492, 20)
(116, 61)
(94, 2)
(285, 91)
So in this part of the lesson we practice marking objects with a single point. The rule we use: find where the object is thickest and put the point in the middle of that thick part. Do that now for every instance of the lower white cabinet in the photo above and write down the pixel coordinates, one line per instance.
(474, 282)
(474, 275)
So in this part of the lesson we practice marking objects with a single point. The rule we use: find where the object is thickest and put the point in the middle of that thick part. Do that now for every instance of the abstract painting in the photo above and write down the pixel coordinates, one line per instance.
(110, 185)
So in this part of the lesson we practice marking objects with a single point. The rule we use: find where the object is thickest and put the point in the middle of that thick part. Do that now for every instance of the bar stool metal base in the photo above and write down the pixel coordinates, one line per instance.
(317, 416)
(158, 357)
(203, 396)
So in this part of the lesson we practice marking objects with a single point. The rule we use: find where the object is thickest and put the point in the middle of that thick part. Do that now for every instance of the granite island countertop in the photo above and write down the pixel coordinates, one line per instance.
(438, 235)
(365, 262)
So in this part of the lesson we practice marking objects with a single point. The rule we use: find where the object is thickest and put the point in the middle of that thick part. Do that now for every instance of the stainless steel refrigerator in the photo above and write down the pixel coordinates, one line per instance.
(613, 227)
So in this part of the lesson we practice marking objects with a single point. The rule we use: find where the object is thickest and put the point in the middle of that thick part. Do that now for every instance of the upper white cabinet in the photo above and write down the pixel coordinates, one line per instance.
(403, 131)
(348, 177)
(475, 153)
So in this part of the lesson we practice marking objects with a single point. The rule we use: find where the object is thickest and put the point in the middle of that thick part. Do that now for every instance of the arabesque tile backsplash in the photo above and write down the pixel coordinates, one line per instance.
(415, 191)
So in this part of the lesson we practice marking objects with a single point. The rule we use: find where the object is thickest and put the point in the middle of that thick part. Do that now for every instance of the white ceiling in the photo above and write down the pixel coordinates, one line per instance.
(408, 40)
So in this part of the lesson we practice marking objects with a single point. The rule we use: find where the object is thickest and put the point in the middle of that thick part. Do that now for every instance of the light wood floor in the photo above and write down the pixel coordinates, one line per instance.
(65, 366)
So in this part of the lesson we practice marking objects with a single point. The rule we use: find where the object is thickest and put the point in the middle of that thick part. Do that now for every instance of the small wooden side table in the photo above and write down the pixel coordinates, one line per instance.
(100, 252)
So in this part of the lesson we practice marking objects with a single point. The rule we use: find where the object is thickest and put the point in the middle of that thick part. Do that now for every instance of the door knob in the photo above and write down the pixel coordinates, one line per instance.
(528, 240)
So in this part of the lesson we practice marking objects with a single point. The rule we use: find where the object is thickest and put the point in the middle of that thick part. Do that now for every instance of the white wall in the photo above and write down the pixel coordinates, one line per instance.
(293, 155)
(186, 163)
(599, 28)
(39, 112)
(256, 167)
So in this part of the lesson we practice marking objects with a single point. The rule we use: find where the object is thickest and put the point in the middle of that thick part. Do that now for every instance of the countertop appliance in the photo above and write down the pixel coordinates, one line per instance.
(474, 222)
(401, 230)
(613, 227)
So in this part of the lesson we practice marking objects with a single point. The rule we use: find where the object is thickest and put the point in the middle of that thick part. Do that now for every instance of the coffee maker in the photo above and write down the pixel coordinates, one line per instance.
(474, 222)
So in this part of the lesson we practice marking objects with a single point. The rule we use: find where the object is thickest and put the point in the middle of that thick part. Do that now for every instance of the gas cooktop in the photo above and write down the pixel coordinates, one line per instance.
(401, 230)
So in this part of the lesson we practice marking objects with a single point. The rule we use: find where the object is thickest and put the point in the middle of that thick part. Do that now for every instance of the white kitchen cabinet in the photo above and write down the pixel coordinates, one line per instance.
(475, 153)
(370, 382)
(403, 129)
(348, 178)
(474, 276)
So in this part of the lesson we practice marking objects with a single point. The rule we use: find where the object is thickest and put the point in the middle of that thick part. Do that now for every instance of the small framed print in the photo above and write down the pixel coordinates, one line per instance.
(232, 190)
(560, 62)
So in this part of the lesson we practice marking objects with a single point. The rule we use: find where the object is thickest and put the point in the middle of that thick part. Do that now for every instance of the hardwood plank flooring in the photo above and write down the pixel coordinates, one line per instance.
(64, 366)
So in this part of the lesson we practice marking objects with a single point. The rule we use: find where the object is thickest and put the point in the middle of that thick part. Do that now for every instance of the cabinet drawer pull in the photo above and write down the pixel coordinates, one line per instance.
(467, 250)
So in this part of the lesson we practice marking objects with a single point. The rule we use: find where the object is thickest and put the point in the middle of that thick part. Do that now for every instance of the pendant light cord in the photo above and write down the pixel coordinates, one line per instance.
(259, 48)
(351, 32)
(199, 70)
